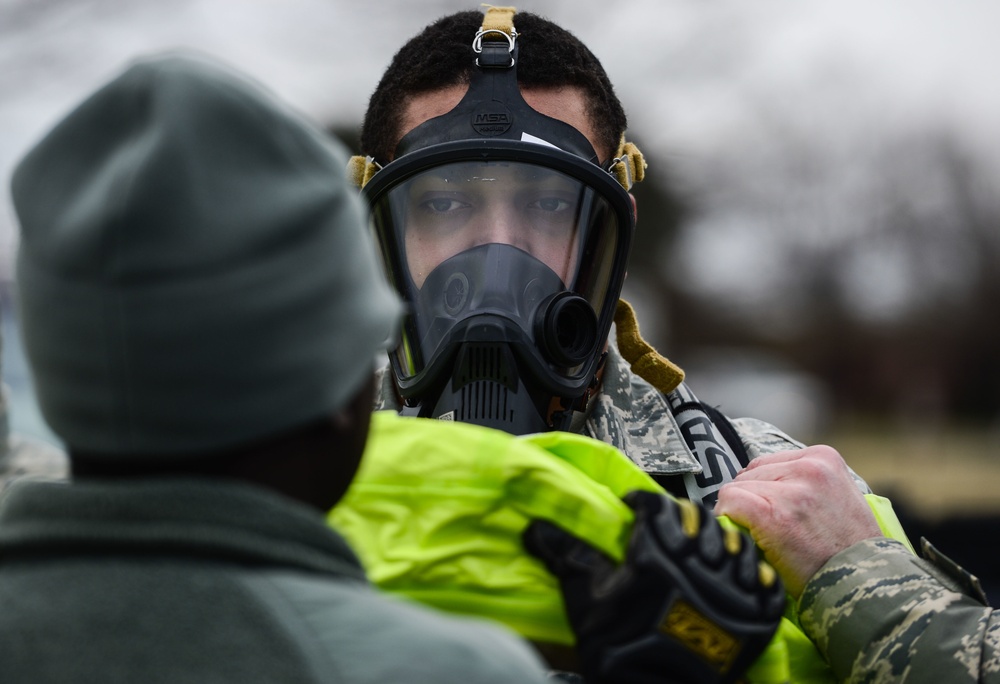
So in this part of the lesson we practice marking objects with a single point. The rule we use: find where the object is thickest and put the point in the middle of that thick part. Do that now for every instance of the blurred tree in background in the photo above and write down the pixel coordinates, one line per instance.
(884, 284)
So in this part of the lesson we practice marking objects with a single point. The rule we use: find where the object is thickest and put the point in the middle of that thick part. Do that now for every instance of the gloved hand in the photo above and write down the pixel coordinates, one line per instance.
(690, 603)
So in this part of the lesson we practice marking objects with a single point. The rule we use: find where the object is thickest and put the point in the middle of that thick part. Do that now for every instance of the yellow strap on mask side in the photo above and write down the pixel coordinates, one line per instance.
(645, 361)
(361, 169)
(629, 164)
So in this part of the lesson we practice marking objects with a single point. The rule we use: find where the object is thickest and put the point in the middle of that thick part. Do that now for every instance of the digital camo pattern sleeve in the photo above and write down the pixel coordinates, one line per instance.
(880, 614)
(760, 437)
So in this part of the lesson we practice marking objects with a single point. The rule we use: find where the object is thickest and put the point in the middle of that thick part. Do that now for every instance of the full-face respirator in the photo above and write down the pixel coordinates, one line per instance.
(508, 242)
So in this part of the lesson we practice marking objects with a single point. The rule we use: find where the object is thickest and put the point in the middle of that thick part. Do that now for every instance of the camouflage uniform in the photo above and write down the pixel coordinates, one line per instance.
(636, 418)
(880, 614)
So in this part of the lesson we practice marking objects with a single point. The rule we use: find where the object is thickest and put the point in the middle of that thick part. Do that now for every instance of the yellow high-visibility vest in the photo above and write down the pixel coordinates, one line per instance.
(437, 510)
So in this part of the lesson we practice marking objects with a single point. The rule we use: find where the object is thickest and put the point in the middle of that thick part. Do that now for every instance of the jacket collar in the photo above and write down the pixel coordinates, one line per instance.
(628, 413)
(632, 415)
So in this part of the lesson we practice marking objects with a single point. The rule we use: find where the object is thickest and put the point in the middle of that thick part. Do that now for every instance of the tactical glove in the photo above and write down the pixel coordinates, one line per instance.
(690, 603)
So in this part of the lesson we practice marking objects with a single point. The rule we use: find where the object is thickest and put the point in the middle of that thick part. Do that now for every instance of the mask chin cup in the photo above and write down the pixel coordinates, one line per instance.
(493, 384)
(565, 329)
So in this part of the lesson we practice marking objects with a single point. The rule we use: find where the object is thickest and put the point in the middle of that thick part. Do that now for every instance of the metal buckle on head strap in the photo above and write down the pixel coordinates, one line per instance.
(497, 20)
(628, 165)
(477, 44)
(623, 172)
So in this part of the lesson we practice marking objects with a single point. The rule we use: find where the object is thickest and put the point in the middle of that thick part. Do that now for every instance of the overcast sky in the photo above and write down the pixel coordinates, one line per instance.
(695, 75)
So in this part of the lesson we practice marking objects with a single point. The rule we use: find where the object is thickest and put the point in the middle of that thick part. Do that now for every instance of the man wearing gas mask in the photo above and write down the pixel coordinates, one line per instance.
(498, 173)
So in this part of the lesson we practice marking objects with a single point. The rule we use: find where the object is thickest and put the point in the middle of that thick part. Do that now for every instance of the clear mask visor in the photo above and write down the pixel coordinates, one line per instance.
(492, 238)
(460, 206)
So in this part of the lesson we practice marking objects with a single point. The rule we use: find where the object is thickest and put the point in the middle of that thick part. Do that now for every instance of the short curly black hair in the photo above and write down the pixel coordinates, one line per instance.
(441, 56)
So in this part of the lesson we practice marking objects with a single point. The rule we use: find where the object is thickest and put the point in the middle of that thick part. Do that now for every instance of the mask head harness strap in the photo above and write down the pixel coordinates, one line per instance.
(497, 22)
(493, 108)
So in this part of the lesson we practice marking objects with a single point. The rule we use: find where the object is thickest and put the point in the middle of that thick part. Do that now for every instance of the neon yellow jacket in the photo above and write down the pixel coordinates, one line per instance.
(437, 510)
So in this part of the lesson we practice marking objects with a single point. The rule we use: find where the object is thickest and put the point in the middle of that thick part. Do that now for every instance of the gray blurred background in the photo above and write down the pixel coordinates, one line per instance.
(819, 231)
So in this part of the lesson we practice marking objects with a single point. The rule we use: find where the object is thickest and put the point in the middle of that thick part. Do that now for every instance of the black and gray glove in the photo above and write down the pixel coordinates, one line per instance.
(690, 603)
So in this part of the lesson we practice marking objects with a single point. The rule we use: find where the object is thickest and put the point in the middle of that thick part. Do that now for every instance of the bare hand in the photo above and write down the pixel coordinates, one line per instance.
(801, 508)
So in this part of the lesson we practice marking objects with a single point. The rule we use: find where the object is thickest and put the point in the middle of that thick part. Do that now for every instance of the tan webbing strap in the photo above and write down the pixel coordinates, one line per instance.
(499, 19)
(629, 164)
(645, 361)
(361, 169)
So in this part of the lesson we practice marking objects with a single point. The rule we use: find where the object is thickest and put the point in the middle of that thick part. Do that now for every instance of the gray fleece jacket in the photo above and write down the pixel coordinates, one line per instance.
(207, 581)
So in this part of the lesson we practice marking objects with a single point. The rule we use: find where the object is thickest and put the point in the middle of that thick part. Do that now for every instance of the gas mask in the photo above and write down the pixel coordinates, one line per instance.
(508, 242)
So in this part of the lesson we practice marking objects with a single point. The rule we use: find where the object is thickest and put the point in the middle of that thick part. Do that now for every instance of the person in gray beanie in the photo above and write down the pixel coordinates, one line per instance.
(201, 307)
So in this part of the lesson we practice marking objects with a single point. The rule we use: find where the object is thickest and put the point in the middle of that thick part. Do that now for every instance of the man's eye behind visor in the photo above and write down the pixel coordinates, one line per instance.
(498, 237)
(445, 211)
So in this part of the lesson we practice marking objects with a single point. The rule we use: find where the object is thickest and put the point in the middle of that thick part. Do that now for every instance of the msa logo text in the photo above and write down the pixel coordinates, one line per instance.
(492, 118)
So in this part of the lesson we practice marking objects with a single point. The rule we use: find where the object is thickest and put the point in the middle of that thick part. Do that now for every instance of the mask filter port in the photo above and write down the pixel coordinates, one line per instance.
(566, 329)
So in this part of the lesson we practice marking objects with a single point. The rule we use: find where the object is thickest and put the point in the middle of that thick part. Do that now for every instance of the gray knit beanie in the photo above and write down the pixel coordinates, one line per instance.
(194, 271)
